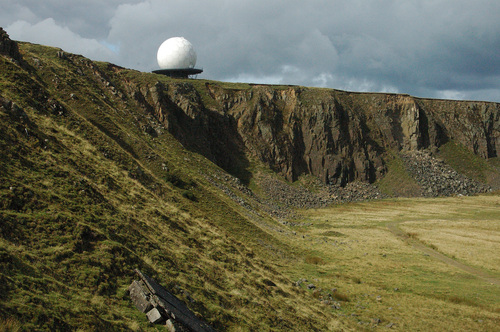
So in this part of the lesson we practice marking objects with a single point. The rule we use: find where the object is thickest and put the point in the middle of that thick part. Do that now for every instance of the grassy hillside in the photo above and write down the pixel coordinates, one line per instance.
(87, 195)
(92, 186)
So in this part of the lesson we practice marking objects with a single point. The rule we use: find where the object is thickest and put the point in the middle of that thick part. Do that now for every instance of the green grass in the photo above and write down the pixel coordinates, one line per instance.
(464, 161)
(397, 181)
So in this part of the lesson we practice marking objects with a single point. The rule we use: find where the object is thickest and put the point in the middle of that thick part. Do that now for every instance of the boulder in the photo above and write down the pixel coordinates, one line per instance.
(155, 317)
(139, 297)
(164, 306)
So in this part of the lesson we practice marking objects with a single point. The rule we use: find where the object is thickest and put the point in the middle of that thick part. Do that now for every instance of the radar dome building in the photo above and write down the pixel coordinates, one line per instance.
(177, 58)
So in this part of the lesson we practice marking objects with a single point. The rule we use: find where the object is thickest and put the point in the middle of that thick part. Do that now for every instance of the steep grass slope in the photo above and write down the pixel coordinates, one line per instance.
(91, 189)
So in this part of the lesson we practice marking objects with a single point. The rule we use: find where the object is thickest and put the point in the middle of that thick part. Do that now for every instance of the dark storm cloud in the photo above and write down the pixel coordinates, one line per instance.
(438, 48)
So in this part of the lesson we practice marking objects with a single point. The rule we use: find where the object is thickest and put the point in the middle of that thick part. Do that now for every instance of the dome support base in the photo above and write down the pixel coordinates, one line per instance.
(178, 73)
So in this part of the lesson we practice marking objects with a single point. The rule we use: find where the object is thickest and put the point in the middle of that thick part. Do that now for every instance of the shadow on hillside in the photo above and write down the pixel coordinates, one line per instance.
(211, 134)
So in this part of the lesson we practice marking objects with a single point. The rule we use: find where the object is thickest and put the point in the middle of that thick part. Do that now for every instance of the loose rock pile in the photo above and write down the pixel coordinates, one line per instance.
(438, 179)
(434, 177)
(161, 307)
(229, 184)
(290, 196)
(354, 192)
(280, 198)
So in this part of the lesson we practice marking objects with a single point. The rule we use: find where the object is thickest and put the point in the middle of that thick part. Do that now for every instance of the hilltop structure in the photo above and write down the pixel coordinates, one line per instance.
(176, 58)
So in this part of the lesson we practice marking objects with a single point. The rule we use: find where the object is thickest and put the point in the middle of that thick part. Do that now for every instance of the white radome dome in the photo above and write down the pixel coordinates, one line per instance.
(176, 53)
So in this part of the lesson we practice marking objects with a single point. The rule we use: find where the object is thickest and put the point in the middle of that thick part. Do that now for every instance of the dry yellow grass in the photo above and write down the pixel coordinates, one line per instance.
(471, 235)
(391, 279)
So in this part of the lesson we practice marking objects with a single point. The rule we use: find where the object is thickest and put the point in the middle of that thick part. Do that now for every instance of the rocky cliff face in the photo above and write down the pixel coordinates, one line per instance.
(8, 47)
(337, 136)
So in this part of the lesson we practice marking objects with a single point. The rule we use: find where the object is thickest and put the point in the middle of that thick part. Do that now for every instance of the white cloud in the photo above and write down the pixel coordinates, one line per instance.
(249, 78)
(322, 80)
(450, 94)
(47, 32)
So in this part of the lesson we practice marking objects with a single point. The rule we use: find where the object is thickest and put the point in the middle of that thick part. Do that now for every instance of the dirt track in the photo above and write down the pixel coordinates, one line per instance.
(393, 227)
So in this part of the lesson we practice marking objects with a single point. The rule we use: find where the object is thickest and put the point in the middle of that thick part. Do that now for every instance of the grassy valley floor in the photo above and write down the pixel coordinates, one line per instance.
(405, 264)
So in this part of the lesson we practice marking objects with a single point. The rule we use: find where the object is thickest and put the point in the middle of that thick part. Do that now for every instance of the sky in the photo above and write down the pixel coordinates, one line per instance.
(426, 48)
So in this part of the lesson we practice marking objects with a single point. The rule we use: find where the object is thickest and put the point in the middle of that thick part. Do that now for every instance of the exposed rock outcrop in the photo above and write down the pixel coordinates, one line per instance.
(8, 47)
(337, 136)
